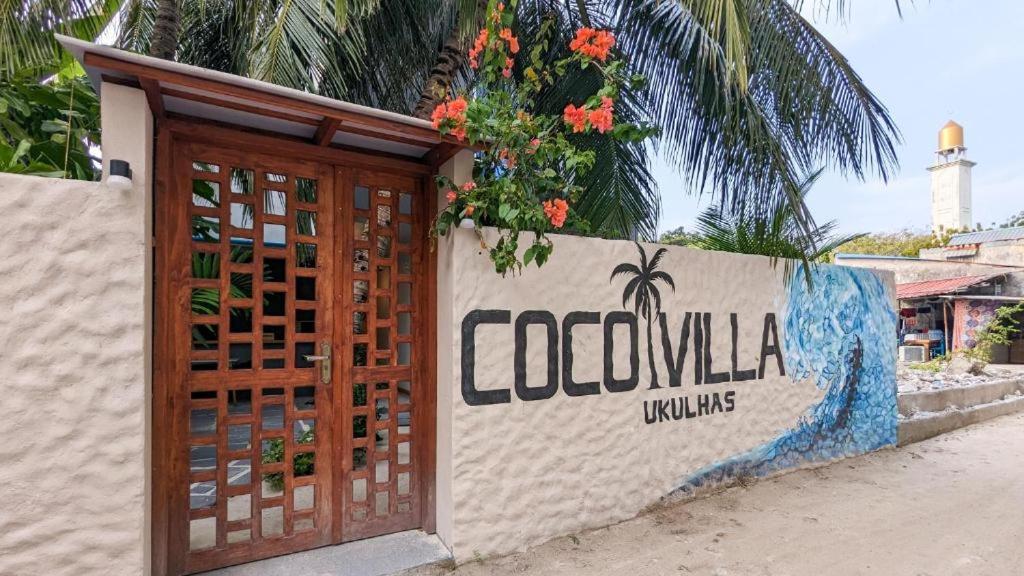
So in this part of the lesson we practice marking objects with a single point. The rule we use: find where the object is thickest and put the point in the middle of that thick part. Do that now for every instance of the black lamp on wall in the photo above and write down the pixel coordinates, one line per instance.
(119, 175)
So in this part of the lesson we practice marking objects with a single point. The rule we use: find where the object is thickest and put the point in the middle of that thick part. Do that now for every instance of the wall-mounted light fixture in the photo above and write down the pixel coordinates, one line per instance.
(119, 175)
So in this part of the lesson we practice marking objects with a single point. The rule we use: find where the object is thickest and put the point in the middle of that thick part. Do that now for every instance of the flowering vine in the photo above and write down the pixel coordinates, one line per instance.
(520, 179)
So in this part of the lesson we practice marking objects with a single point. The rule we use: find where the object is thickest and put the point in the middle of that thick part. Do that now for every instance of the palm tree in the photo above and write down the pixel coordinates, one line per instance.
(776, 233)
(748, 94)
(646, 297)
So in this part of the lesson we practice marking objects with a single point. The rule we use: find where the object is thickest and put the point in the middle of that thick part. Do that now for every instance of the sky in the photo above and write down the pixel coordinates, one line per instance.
(945, 59)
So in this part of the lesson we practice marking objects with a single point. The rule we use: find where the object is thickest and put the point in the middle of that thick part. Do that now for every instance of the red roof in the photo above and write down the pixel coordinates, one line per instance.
(936, 287)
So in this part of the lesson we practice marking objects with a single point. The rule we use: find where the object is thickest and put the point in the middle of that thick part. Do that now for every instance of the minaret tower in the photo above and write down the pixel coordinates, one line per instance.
(951, 181)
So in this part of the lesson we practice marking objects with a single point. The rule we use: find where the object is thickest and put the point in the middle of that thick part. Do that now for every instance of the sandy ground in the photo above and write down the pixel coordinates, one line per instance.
(950, 505)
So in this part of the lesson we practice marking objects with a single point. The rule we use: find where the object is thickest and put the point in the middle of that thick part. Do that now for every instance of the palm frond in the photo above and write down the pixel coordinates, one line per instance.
(27, 28)
(625, 268)
(630, 288)
(803, 103)
(664, 277)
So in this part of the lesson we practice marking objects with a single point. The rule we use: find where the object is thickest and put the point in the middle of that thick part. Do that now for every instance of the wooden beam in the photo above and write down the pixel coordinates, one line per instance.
(440, 154)
(120, 81)
(212, 131)
(350, 129)
(156, 100)
(325, 131)
(240, 107)
(342, 126)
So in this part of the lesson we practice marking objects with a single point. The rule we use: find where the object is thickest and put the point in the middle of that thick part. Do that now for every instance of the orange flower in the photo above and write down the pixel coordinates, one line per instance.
(513, 42)
(556, 210)
(457, 109)
(439, 114)
(451, 196)
(478, 47)
(601, 119)
(593, 43)
(575, 117)
(469, 210)
(534, 145)
(508, 67)
(508, 158)
(459, 132)
(471, 185)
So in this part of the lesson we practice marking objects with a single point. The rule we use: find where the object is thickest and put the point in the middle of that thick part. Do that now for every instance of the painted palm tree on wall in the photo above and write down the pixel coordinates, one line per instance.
(642, 288)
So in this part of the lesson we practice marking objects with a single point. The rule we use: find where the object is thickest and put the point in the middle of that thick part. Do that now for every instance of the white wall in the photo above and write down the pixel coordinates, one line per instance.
(526, 470)
(75, 303)
(72, 375)
(460, 170)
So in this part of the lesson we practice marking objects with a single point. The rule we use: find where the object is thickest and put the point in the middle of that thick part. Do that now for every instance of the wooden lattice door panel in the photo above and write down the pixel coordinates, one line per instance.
(255, 434)
(383, 289)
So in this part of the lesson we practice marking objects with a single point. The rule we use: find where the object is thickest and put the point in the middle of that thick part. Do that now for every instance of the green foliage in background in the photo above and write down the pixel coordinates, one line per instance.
(680, 237)
(999, 331)
(303, 463)
(47, 129)
(902, 243)
(776, 232)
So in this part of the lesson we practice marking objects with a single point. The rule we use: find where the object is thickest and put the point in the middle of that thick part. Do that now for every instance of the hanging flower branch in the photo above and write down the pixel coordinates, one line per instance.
(520, 179)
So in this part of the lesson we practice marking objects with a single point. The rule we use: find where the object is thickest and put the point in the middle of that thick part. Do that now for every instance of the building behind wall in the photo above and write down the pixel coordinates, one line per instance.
(948, 294)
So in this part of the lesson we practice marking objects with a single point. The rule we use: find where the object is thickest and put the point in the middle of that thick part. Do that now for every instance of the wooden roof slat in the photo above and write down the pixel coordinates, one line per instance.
(325, 131)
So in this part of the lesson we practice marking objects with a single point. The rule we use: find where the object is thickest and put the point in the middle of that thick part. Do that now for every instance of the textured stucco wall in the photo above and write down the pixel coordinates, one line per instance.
(71, 377)
(524, 471)
(459, 169)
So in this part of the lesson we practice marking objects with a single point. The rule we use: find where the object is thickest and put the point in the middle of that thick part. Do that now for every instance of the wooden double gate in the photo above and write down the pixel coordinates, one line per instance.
(291, 395)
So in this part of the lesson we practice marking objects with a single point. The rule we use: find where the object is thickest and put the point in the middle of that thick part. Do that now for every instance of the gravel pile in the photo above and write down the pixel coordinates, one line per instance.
(910, 380)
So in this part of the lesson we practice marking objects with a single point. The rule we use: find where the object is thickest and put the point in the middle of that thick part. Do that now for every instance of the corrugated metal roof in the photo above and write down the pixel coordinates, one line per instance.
(987, 236)
(937, 287)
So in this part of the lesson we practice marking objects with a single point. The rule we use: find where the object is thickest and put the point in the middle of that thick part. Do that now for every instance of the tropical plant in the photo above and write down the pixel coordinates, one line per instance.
(1000, 331)
(49, 129)
(520, 179)
(645, 294)
(776, 232)
(749, 94)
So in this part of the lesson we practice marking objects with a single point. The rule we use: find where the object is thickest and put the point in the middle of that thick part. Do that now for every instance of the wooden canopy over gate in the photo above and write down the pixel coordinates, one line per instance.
(294, 314)
(180, 91)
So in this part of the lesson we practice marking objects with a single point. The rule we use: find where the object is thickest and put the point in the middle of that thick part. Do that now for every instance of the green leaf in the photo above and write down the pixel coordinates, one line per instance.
(529, 255)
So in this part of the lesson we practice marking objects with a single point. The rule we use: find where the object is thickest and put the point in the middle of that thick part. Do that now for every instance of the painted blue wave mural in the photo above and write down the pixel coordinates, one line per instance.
(841, 335)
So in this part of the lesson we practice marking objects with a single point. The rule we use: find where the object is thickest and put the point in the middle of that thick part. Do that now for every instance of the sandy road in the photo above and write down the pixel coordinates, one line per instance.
(952, 505)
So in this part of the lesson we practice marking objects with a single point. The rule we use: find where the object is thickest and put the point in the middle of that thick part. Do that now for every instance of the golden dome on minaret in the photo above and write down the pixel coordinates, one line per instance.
(951, 137)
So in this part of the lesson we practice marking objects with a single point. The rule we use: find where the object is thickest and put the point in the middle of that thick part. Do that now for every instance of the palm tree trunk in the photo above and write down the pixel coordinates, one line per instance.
(450, 60)
(166, 29)
(650, 354)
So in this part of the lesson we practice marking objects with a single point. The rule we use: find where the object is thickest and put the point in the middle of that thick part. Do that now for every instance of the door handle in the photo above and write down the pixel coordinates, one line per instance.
(324, 358)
